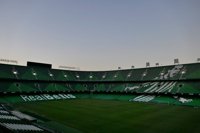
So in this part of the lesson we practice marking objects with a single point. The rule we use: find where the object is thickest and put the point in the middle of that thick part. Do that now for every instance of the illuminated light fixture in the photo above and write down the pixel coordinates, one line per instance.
(77, 76)
(65, 76)
(115, 76)
(104, 76)
(50, 74)
(15, 72)
(161, 73)
(128, 75)
(34, 73)
(91, 77)
(144, 74)
(183, 72)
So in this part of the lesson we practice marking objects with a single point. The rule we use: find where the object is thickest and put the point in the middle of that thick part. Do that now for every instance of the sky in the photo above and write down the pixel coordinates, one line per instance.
(100, 34)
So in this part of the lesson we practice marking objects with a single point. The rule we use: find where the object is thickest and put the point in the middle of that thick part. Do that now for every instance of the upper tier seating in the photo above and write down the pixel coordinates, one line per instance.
(164, 79)
(174, 72)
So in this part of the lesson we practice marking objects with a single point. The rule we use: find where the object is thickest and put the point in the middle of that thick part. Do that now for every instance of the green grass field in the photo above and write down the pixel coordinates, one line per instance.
(108, 116)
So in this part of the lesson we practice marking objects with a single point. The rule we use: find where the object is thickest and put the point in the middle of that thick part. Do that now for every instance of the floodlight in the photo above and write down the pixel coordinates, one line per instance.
(15, 72)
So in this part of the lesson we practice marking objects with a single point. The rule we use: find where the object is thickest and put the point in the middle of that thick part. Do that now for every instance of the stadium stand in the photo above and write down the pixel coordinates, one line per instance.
(38, 78)
(15, 121)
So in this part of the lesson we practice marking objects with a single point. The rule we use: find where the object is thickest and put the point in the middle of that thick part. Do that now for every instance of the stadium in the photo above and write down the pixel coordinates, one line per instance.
(35, 97)
(99, 66)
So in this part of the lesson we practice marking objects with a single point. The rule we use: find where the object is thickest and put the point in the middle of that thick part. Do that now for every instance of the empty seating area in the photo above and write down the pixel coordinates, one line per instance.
(21, 127)
(174, 79)
(175, 72)
(13, 123)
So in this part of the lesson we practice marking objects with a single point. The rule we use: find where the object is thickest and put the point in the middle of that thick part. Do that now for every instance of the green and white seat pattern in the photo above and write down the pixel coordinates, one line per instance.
(16, 124)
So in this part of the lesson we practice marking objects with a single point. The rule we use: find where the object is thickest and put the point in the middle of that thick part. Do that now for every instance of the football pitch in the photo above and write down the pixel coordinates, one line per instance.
(109, 116)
